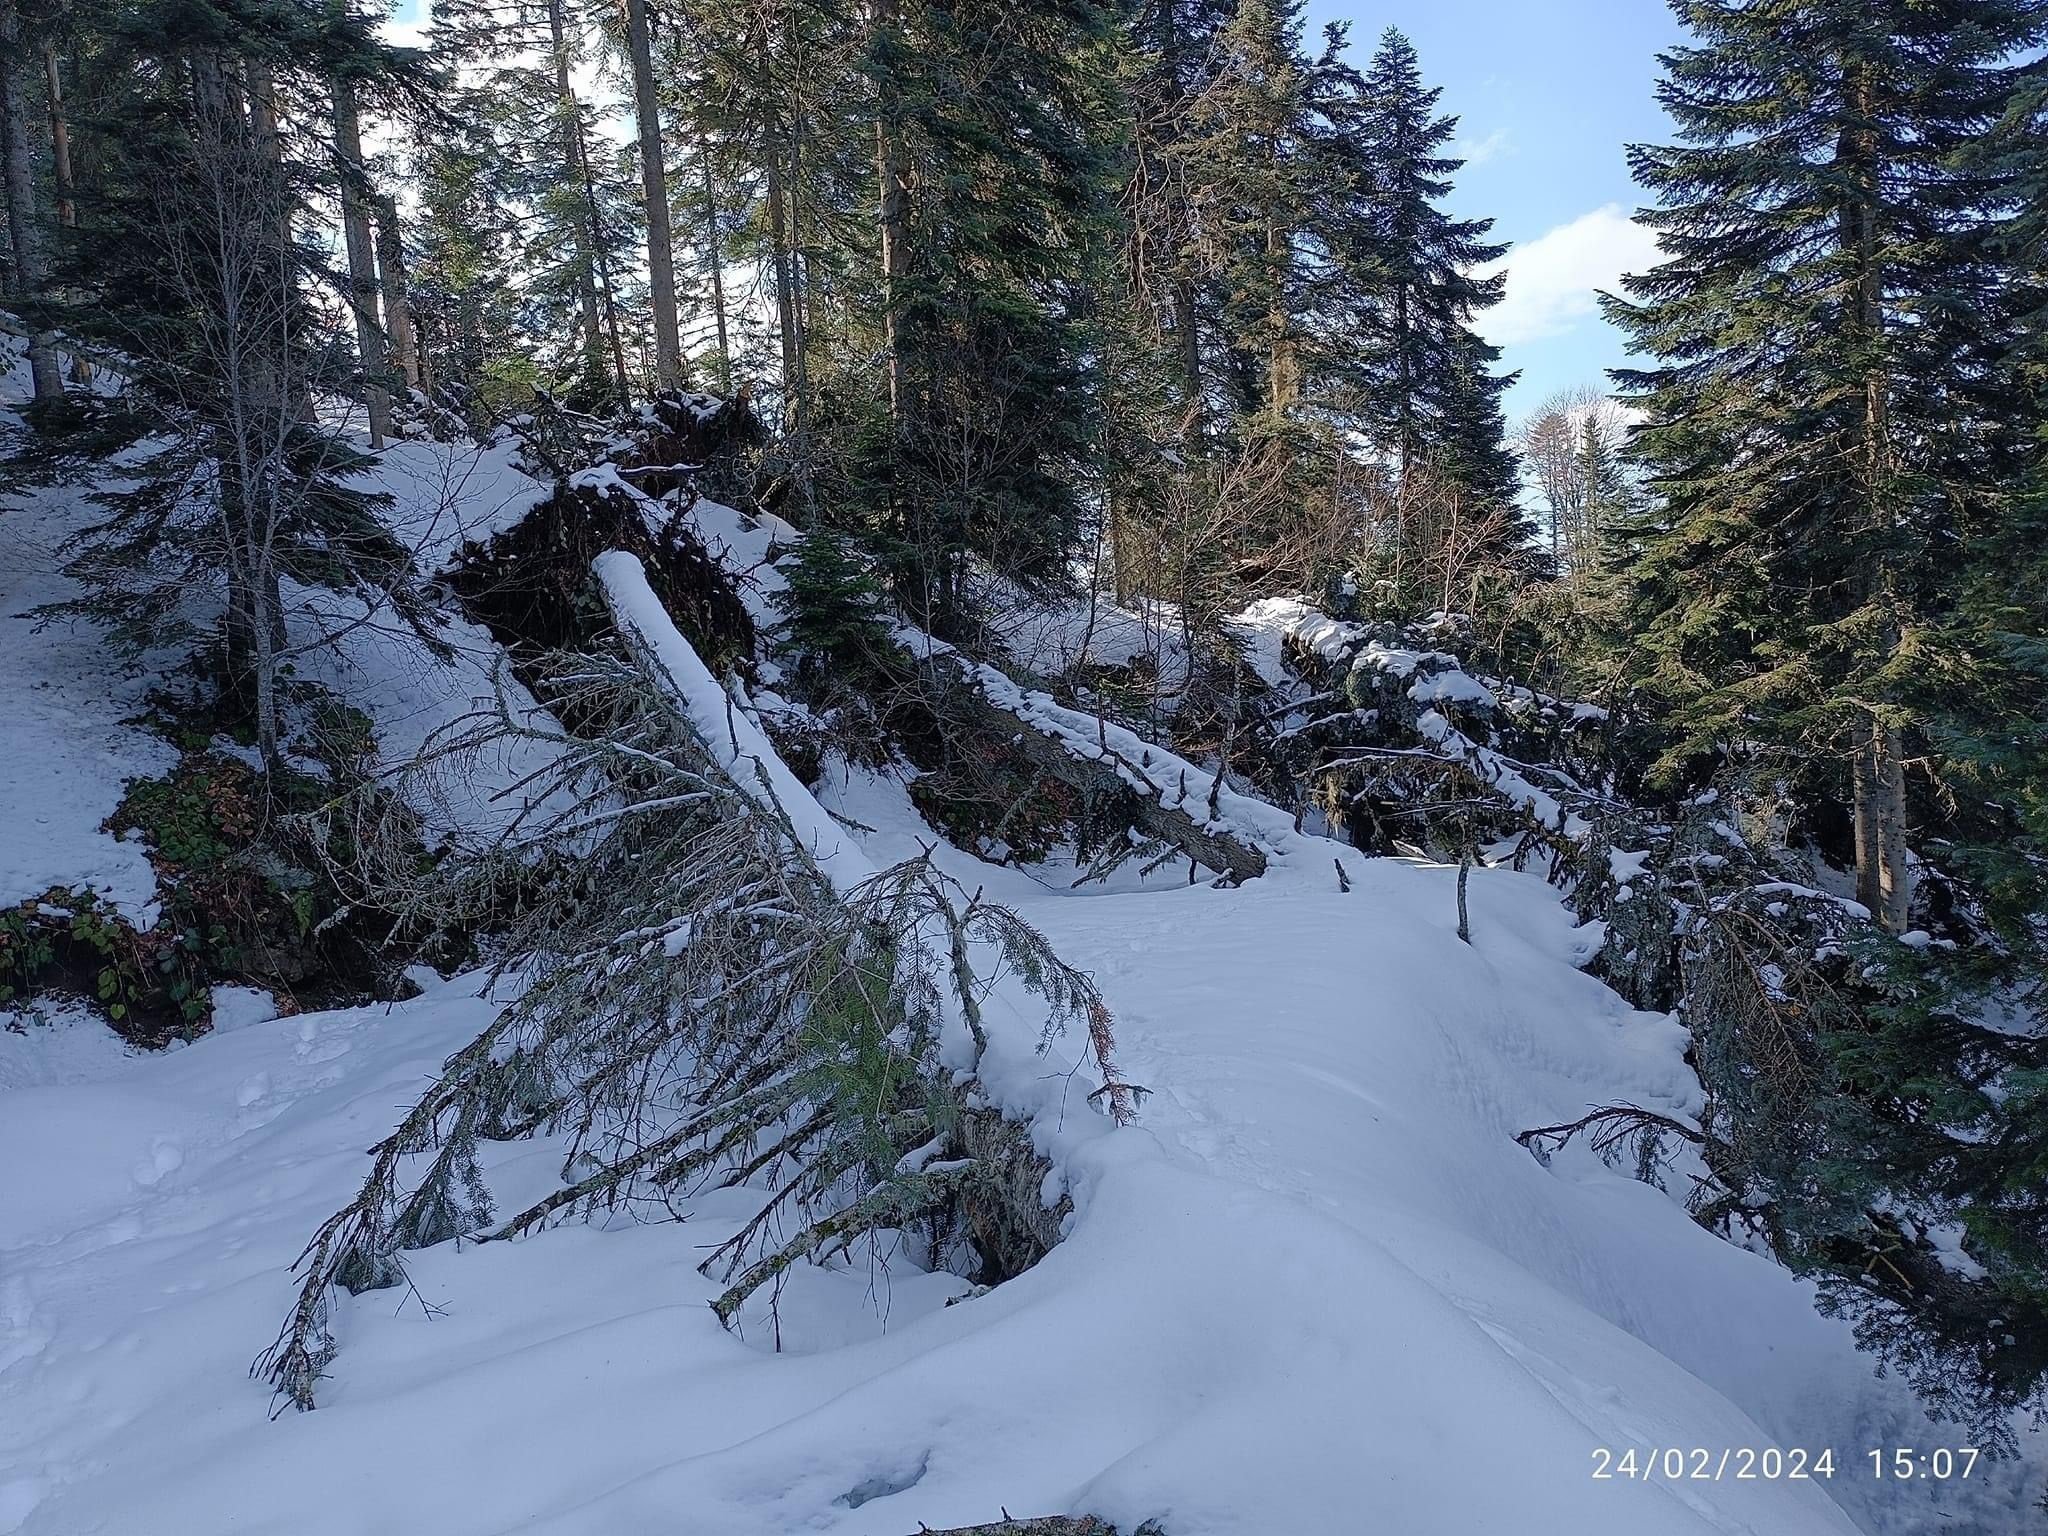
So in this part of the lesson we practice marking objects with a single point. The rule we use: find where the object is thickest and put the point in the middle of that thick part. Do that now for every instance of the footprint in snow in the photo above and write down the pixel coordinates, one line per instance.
(165, 1157)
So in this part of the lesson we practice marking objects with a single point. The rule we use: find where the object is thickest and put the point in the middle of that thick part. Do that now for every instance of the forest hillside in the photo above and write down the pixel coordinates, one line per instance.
(776, 767)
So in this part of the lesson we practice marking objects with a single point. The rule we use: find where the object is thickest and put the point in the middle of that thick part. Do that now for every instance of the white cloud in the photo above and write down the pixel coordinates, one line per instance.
(1553, 278)
(1479, 151)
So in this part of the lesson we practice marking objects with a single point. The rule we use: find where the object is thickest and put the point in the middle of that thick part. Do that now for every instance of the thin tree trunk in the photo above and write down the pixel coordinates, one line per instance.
(1883, 878)
(23, 227)
(1187, 327)
(569, 115)
(1863, 797)
(595, 246)
(263, 126)
(60, 166)
(785, 290)
(661, 264)
(892, 203)
(604, 270)
(1405, 408)
(1281, 374)
(362, 260)
(397, 295)
(716, 257)
(249, 298)
(60, 140)
(1464, 912)
(1894, 877)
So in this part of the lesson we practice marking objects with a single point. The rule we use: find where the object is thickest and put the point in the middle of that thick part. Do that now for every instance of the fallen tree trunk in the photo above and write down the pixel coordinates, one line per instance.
(531, 587)
(1132, 786)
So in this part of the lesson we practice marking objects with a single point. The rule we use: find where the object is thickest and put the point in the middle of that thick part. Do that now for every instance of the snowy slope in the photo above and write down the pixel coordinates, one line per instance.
(1318, 1289)
(65, 751)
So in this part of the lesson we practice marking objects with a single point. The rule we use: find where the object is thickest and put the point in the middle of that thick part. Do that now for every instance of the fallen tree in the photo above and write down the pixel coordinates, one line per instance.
(716, 988)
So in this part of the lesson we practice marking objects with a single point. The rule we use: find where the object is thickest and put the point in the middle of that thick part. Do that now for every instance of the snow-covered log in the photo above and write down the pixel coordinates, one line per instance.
(734, 740)
(1164, 796)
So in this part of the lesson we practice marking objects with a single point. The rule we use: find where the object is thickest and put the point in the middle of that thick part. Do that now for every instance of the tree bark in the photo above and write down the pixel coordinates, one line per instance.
(606, 293)
(716, 259)
(23, 224)
(362, 260)
(397, 294)
(1863, 798)
(1039, 1525)
(60, 166)
(60, 140)
(965, 713)
(269, 139)
(247, 292)
(892, 203)
(1883, 877)
(1282, 374)
(661, 264)
(785, 287)
(1404, 416)
(1894, 875)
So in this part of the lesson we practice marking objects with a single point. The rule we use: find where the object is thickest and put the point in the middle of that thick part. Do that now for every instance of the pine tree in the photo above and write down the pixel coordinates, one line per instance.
(1428, 377)
(990, 174)
(1838, 443)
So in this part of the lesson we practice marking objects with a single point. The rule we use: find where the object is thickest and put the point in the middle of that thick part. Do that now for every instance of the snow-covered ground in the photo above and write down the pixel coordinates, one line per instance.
(68, 738)
(1317, 1290)
(66, 749)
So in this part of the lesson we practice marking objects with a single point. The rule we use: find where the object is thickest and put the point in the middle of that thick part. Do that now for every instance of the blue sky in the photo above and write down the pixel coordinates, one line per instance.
(1548, 93)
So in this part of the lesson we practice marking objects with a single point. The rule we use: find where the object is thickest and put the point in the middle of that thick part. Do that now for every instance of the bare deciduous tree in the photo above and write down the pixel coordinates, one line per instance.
(1571, 446)
(234, 486)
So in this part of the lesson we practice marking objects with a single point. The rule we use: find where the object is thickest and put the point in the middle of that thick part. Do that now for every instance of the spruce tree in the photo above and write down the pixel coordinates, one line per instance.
(1428, 378)
(1838, 441)
(1255, 187)
(573, 190)
(989, 216)
(482, 358)
(1828, 425)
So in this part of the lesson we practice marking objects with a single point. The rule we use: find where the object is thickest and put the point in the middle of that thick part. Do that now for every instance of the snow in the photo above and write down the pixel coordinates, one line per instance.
(66, 747)
(1452, 687)
(68, 741)
(1262, 628)
(1057, 636)
(1625, 866)
(450, 497)
(723, 723)
(1317, 1289)
(370, 658)
(1852, 909)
